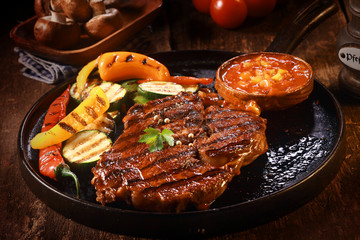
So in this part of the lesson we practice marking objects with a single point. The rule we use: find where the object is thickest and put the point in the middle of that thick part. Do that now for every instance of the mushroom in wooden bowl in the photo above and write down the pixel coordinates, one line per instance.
(275, 81)
(104, 21)
(57, 31)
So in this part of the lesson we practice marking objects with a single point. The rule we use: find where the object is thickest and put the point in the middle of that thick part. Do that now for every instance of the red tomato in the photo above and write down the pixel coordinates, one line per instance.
(202, 5)
(228, 13)
(260, 8)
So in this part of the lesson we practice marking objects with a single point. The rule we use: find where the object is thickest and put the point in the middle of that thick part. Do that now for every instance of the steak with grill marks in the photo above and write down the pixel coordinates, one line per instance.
(213, 143)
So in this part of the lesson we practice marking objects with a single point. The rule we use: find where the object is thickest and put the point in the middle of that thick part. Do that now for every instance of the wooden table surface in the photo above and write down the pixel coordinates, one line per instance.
(333, 214)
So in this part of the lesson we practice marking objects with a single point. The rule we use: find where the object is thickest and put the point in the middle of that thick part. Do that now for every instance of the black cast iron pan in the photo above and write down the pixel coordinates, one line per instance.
(306, 149)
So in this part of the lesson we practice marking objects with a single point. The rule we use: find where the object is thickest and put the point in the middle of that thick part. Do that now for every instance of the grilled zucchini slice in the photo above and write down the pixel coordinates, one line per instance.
(86, 147)
(115, 93)
(105, 123)
(159, 89)
(191, 88)
(74, 94)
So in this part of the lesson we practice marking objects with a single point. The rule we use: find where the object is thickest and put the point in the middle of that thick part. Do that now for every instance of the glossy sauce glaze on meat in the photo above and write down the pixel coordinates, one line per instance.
(213, 142)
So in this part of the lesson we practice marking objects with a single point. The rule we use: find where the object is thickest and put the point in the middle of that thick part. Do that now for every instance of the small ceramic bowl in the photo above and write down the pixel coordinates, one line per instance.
(275, 81)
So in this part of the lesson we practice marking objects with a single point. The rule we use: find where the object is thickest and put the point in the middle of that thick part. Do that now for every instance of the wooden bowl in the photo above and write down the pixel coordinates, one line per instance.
(275, 81)
(87, 49)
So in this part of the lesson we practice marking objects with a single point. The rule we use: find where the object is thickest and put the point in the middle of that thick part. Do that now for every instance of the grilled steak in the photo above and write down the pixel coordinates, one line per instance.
(213, 142)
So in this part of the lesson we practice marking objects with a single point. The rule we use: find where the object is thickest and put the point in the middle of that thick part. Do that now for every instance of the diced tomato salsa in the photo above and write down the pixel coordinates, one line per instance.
(267, 73)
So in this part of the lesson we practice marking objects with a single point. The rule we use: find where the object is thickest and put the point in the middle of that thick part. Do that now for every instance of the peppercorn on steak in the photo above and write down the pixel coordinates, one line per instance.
(211, 143)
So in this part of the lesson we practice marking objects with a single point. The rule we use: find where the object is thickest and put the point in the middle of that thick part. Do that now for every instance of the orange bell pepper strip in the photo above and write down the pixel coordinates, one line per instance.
(120, 66)
(92, 107)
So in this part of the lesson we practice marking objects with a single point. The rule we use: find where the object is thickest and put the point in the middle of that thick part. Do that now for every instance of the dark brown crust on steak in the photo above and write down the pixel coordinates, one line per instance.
(216, 142)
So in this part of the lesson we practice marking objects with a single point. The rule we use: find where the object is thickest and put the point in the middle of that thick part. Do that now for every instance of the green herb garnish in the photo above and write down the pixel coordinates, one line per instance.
(155, 139)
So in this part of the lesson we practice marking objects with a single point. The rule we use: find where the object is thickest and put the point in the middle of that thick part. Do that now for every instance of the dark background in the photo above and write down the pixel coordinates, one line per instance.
(15, 12)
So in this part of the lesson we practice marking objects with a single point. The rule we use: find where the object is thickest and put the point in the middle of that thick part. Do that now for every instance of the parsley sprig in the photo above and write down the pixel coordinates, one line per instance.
(155, 139)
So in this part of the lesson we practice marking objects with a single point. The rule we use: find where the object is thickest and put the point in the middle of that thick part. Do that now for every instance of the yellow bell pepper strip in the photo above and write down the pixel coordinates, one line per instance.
(92, 107)
(83, 75)
(120, 66)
